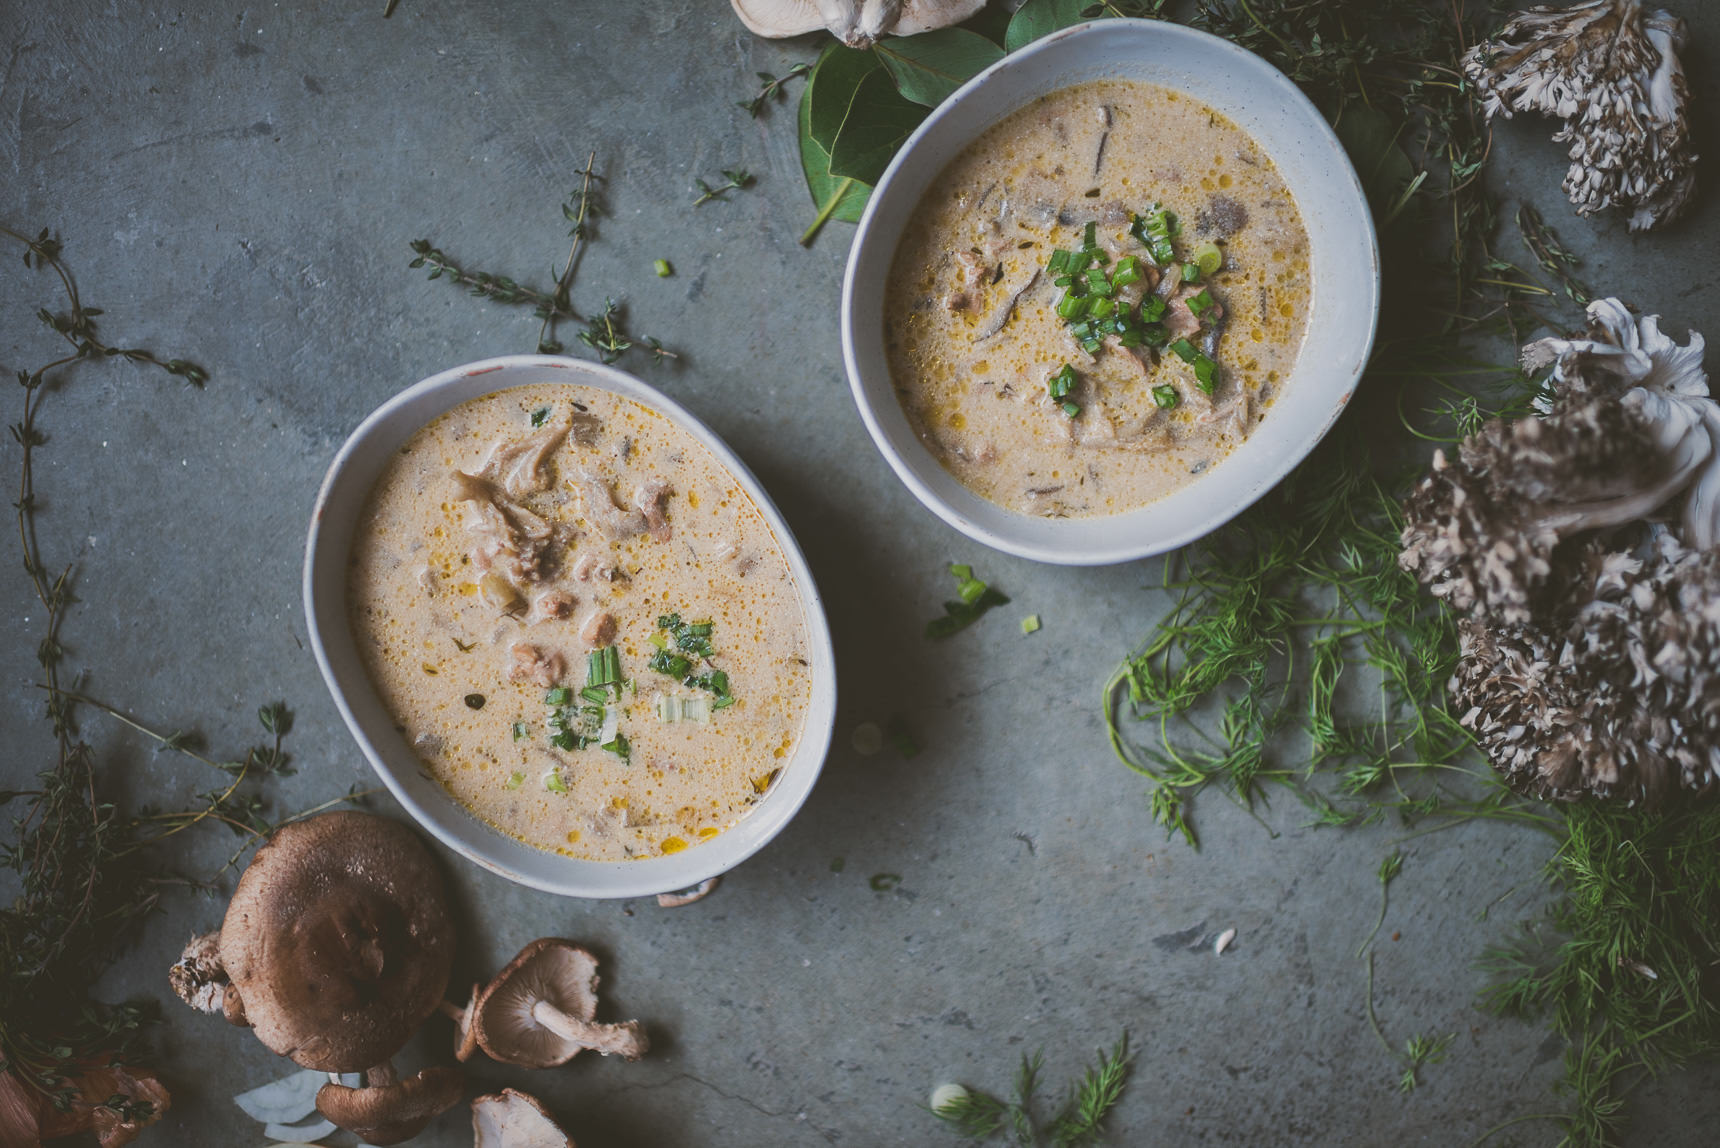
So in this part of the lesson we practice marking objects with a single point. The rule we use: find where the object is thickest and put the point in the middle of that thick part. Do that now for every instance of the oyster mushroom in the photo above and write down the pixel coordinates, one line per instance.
(1590, 655)
(512, 1119)
(337, 943)
(857, 23)
(388, 1110)
(540, 1011)
(1610, 70)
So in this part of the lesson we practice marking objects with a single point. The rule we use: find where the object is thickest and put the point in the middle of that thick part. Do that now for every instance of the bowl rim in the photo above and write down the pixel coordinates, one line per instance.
(345, 488)
(1064, 551)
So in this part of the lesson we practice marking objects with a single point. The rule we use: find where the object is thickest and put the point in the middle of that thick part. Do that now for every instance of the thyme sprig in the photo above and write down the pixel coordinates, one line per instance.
(1079, 1119)
(774, 89)
(83, 877)
(604, 332)
(738, 178)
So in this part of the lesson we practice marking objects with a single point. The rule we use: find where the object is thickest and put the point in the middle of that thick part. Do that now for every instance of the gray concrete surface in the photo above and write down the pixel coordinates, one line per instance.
(238, 184)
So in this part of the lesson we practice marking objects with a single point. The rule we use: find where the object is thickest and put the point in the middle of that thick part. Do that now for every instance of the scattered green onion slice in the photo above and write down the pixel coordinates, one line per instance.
(540, 416)
(663, 269)
(1071, 409)
(1030, 623)
(1199, 304)
(1059, 386)
(553, 782)
(1209, 257)
(514, 781)
(559, 696)
(521, 730)
(1190, 273)
(1165, 396)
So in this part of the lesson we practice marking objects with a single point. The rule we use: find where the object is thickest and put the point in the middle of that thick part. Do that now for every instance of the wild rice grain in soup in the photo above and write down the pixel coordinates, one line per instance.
(1097, 300)
(581, 623)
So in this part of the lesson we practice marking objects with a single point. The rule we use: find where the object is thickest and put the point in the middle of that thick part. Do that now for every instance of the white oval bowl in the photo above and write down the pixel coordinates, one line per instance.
(350, 478)
(1345, 273)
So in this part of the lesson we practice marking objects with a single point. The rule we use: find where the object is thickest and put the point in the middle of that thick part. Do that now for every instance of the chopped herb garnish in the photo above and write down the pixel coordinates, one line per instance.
(671, 665)
(559, 696)
(662, 268)
(1070, 409)
(1165, 396)
(619, 746)
(1204, 368)
(475, 701)
(1058, 386)
(1030, 624)
(1155, 230)
(540, 416)
(514, 781)
(975, 599)
(1209, 257)
(521, 730)
(553, 782)
(598, 695)
(1201, 303)
(1191, 273)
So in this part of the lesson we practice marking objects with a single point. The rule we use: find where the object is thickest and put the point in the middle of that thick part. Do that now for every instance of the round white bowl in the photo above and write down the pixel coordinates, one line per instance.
(344, 491)
(1345, 274)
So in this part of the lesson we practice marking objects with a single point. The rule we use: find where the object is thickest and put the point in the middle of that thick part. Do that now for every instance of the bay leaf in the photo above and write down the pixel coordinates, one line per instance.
(929, 67)
(836, 197)
(879, 121)
(1038, 18)
(831, 87)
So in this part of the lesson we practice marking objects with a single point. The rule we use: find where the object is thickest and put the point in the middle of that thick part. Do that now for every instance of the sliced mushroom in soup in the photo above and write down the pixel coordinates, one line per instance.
(1097, 300)
(581, 622)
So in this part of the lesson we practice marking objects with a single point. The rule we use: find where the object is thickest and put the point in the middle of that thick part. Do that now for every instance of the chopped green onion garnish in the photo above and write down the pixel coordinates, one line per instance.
(1071, 409)
(1072, 306)
(1030, 623)
(1127, 271)
(960, 614)
(1201, 303)
(596, 694)
(1204, 368)
(663, 269)
(1154, 230)
(553, 782)
(1153, 308)
(559, 696)
(620, 747)
(520, 730)
(1090, 238)
(1058, 385)
(514, 780)
(722, 704)
(1190, 273)
(673, 665)
(1165, 396)
(540, 416)
(1209, 257)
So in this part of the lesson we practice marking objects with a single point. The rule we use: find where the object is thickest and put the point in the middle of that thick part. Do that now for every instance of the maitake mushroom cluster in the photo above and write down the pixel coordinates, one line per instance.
(337, 947)
(857, 23)
(1610, 70)
(1580, 547)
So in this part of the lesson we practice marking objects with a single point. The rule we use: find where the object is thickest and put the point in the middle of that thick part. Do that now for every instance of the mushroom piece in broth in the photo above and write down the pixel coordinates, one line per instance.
(581, 622)
(1174, 352)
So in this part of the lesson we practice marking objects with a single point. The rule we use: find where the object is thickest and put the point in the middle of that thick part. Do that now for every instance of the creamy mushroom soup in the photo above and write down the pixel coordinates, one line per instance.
(581, 622)
(1097, 300)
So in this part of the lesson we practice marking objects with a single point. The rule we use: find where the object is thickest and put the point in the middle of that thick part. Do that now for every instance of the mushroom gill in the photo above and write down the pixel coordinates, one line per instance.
(857, 23)
(1611, 71)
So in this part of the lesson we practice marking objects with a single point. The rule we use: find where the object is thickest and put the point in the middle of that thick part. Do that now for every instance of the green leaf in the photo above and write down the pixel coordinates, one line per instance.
(836, 198)
(831, 88)
(1370, 138)
(1038, 18)
(927, 68)
(879, 121)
